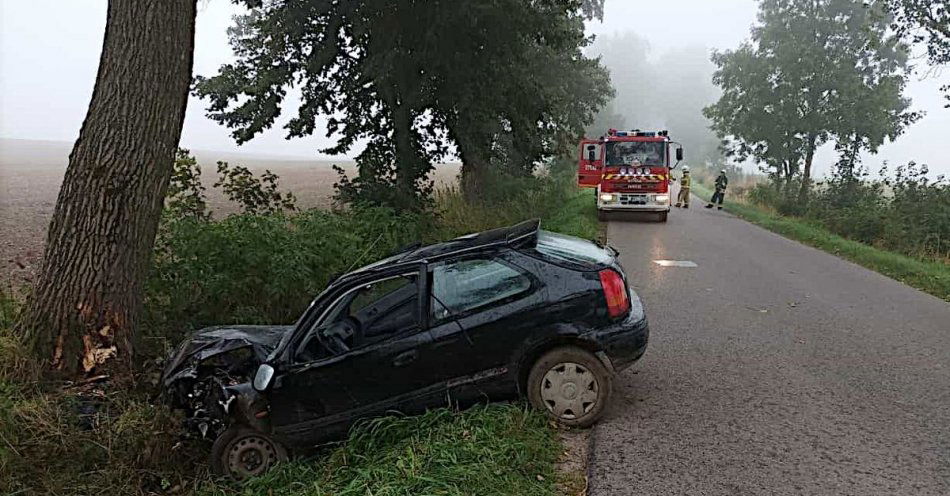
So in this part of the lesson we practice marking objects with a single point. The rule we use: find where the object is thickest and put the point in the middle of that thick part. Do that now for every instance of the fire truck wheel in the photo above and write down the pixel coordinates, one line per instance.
(602, 216)
(662, 216)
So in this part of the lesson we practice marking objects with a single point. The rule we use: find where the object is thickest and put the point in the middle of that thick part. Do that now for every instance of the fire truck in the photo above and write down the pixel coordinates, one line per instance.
(630, 171)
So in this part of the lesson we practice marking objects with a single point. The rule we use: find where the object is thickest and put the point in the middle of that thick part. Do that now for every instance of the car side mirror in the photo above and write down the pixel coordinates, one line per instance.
(264, 377)
(679, 154)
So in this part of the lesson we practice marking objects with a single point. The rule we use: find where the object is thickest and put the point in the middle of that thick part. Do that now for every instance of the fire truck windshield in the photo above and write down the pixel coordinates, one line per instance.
(630, 152)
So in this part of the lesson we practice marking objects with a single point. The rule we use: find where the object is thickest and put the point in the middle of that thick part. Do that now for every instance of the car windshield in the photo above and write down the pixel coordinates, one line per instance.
(636, 152)
(571, 248)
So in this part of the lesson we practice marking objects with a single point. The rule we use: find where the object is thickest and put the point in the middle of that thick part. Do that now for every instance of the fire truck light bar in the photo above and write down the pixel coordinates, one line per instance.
(637, 133)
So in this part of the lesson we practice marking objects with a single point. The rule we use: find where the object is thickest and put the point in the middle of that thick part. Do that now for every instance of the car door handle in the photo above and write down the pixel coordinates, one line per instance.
(405, 358)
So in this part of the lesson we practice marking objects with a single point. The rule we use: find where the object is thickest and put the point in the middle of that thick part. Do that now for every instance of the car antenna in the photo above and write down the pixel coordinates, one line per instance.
(365, 252)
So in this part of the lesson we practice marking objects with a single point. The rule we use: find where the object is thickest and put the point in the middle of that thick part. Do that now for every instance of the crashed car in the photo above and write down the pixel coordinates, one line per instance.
(494, 315)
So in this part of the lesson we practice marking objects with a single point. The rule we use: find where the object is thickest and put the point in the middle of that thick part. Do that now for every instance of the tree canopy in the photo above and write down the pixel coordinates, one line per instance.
(813, 72)
(927, 23)
(504, 82)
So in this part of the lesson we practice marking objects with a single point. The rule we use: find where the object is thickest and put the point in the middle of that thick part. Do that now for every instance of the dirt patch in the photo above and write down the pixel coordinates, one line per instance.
(572, 464)
(31, 173)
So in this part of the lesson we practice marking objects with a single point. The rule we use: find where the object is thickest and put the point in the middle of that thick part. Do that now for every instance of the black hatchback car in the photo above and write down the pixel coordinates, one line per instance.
(506, 312)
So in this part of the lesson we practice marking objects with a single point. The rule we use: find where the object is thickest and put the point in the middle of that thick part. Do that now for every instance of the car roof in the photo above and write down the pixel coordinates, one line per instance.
(517, 236)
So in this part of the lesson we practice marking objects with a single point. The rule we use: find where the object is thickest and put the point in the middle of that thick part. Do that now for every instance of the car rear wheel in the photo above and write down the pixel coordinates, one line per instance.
(571, 385)
(240, 453)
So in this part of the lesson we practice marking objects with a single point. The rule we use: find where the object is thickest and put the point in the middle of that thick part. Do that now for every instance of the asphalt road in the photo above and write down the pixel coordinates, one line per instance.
(773, 368)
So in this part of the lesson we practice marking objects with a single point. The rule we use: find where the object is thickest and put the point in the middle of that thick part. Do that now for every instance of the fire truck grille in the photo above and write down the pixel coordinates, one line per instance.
(633, 199)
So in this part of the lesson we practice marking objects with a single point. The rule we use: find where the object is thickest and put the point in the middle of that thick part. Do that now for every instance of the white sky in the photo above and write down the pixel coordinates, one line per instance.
(49, 53)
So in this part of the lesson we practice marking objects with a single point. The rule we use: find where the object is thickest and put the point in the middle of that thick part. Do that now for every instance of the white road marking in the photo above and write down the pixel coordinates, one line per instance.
(675, 263)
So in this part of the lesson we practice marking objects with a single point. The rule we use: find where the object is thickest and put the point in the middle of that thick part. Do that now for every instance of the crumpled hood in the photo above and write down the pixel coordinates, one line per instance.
(212, 341)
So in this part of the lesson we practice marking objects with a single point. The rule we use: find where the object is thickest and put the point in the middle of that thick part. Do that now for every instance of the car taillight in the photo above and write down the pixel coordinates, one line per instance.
(615, 291)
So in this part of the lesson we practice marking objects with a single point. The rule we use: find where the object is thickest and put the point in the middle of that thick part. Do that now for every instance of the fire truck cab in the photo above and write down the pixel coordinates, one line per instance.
(630, 171)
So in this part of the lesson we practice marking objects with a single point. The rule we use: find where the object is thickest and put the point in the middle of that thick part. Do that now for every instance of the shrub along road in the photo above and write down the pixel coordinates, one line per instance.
(773, 368)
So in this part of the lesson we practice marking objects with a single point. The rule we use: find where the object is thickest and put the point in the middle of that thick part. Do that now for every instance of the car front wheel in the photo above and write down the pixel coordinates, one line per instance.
(571, 385)
(240, 453)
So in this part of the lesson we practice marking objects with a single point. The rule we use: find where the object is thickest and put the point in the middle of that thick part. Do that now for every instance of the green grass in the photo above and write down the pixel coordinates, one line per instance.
(490, 449)
(928, 276)
(564, 209)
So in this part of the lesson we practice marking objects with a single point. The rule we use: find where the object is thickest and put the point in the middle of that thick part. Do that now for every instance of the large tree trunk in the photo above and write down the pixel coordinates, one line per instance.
(407, 160)
(83, 309)
(475, 167)
(806, 171)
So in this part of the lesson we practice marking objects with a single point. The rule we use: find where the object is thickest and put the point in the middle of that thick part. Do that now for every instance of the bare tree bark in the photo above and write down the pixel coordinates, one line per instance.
(83, 309)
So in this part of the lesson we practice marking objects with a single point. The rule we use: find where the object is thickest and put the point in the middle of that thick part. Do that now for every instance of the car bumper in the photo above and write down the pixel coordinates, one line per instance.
(633, 202)
(634, 208)
(624, 342)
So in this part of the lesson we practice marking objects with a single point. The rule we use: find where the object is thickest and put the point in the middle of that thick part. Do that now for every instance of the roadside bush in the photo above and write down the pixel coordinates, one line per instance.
(850, 207)
(255, 269)
(254, 195)
(906, 212)
(186, 194)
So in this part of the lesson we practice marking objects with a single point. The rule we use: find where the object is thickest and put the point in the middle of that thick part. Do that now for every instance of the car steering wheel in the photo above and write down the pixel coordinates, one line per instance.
(346, 329)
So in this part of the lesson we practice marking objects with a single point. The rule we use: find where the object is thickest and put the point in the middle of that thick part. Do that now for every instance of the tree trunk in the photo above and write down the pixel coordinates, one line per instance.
(84, 305)
(806, 172)
(407, 162)
(474, 170)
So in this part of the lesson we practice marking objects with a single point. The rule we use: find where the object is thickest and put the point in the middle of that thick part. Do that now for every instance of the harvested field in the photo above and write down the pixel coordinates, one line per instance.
(31, 173)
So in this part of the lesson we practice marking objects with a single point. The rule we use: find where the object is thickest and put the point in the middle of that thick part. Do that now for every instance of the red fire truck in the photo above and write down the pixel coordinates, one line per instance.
(630, 170)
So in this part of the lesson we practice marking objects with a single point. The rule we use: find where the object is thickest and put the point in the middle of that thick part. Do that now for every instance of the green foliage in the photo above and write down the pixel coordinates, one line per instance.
(927, 23)
(494, 449)
(255, 196)
(907, 212)
(261, 268)
(814, 71)
(61, 442)
(186, 193)
(78, 440)
(505, 82)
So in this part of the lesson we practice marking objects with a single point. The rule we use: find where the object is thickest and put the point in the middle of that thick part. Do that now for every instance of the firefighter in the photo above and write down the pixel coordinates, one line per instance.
(683, 199)
(721, 182)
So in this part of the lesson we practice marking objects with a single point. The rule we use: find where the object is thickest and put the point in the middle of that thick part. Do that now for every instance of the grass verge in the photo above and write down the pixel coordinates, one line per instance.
(928, 276)
(488, 449)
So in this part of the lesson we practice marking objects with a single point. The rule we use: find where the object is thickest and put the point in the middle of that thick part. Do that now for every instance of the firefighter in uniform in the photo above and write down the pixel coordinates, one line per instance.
(683, 199)
(721, 182)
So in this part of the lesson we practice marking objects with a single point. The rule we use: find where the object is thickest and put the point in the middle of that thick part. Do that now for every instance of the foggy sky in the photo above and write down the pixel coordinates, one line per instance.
(49, 53)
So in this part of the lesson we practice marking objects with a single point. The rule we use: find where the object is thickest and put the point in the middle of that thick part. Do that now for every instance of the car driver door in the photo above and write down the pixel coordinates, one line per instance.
(361, 359)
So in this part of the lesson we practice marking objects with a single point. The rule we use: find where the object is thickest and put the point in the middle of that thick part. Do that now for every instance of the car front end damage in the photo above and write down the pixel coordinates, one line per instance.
(209, 377)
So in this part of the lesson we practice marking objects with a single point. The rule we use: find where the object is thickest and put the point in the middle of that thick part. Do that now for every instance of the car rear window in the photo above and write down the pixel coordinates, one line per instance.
(572, 249)
(459, 287)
